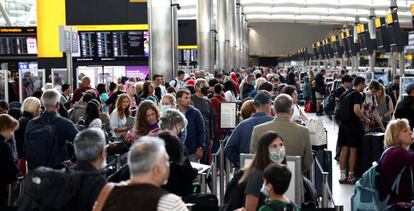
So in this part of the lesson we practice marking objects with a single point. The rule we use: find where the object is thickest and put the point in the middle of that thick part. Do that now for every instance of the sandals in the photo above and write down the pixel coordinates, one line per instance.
(350, 180)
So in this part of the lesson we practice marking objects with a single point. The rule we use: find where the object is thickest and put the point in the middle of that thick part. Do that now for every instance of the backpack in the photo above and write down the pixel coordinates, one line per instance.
(47, 189)
(367, 196)
(329, 103)
(41, 144)
(202, 201)
(343, 110)
(234, 195)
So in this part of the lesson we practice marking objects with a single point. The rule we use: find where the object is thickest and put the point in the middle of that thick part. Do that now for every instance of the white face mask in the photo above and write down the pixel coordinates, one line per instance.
(277, 155)
(165, 107)
(264, 191)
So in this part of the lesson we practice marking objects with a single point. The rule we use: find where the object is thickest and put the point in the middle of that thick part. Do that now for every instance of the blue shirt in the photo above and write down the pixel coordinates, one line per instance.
(239, 141)
(195, 132)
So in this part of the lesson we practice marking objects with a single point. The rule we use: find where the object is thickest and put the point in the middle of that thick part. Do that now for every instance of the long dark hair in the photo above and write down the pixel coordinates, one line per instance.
(92, 111)
(261, 159)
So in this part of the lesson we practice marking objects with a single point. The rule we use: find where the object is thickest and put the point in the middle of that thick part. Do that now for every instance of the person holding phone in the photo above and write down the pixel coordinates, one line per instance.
(148, 116)
(120, 115)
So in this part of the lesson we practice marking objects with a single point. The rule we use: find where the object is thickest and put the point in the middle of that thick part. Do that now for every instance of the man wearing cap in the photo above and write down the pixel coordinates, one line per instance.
(239, 141)
(295, 137)
(405, 107)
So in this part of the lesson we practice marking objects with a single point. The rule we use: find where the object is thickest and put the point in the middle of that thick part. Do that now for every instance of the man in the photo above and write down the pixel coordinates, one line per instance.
(405, 107)
(178, 82)
(203, 104)
(195, 134)
(393, 90)
(159, 85)
(4, 107)
(247, 86)
(346, 84)
(295, 136)
(91, 156)
(351, 132)
(86, 85)
(46, 135)
(319, 91)
(239, 141)
(149, 165)
(66, 92)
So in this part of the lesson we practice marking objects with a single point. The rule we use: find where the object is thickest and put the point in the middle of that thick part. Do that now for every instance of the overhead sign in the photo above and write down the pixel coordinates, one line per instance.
(68, 39)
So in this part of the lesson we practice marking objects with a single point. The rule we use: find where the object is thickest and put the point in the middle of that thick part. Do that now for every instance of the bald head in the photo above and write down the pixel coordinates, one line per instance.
(86, 81)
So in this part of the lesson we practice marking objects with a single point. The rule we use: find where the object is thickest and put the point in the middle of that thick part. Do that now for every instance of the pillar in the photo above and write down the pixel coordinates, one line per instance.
(162, 21)
(221, 34)
(204, 16)
(231, 8)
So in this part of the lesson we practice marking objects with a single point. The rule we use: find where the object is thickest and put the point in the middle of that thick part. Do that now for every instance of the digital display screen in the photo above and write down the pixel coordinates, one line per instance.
(114, 44)
(22, 45)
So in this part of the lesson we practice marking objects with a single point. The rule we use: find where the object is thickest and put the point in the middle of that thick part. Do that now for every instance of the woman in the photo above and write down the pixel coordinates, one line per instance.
(103, 96)
(369, 108)
(92, 117)
(167, 101)
(397, 141)
(147, 119)
(9, 169)
(270, 150)
(31, 108)
(120, 89)
(247, 110)
(182, 174)
(298, 114)
(385, 106)
(173, 122)
(132, 92)
(148, 92)
(119, 116)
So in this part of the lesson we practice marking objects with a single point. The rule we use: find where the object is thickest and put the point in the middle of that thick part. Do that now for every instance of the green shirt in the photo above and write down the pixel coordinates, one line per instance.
(278, 206)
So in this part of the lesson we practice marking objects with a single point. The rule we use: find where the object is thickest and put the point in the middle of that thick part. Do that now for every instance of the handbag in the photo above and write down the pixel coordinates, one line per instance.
(317, 132)
(308, 106)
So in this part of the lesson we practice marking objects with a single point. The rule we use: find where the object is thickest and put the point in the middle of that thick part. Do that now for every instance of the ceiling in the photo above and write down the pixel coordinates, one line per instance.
(23, 12)
(308, 11)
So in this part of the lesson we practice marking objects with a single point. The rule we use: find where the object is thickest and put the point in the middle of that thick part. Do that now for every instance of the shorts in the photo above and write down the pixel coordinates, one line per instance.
(350, 134)
(319, 96)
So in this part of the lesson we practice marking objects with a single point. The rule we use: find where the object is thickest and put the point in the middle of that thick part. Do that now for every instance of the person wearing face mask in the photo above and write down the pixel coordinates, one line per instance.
(276, 182)
(9, 169)
(90, 152)
(167, 102)
(149, 165)
(203, 104)
(270, 150)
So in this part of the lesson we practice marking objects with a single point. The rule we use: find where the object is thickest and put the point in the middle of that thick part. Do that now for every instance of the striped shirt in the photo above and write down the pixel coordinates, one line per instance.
(170, 202)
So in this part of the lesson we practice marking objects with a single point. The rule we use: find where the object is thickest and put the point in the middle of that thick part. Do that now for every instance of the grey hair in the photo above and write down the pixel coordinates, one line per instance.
(50, 98)
(283, 103)
(171, 98)
(199, 81)
(145, 154)
(89, 144)
(171, 117)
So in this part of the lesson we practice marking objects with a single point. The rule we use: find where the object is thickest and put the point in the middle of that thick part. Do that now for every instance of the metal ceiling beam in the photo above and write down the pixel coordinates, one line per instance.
(5, 15)
(31, 15)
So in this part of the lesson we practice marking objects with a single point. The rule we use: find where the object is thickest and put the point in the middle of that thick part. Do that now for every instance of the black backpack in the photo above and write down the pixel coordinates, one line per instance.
(202, 201)
(41, 144)
(47, 189)
(234, 195)
(329, 103)
(343, 110)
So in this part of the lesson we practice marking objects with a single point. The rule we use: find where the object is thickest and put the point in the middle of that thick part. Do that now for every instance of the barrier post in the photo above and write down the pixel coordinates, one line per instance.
(228, 169)
(214, 174)
(221, 151)
(118, 162)
(312, 171)
(339, 208)
(203, 183)
(325, 196)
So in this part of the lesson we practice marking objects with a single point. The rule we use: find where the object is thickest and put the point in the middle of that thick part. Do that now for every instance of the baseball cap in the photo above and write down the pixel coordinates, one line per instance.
(262, 97)
(409, 88)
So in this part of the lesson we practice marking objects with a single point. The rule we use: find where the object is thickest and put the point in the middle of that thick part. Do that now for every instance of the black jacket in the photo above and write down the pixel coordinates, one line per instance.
(92, 185)
(19, 133)
(9, 170)
(405, 109)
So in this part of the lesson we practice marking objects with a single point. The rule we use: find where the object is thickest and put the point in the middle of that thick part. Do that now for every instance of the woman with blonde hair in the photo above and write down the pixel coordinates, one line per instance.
(31, 108)
(385, 106)
(119, 116)
(147, 119)
(397, 141)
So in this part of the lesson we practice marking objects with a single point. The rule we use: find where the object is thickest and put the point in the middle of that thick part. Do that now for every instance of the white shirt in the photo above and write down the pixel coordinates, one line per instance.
(296, 113)
(169, 202)
(230, 96)
(177, 84)
(116, 122)
(96, 123)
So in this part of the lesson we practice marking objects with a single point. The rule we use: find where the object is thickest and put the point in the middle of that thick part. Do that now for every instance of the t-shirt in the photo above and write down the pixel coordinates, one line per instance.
(117, 122)
(320, 83)
(367, 108)
(253, 186)
(356, 98)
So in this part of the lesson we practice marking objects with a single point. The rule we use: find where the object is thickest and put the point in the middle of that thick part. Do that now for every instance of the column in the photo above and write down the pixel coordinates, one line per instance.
(204, 16)
(237, 37)
(163, 39)
(221, 34)
(231, 7)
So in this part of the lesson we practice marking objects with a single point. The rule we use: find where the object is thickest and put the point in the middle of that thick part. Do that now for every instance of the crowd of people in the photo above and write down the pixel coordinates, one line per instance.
(168, 125)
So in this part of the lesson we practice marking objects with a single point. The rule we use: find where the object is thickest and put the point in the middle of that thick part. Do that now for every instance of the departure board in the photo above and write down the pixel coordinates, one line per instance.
(114, 44)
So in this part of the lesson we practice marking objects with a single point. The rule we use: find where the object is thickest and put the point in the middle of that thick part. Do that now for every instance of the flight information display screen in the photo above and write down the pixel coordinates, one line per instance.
(114, 44)
(18, 41)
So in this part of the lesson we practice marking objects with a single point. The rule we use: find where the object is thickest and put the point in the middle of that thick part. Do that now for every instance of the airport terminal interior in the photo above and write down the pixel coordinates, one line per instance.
(206, 105)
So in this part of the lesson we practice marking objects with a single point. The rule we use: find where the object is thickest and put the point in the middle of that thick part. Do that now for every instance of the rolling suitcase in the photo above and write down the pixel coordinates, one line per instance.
(324, 158)
(371, 150)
